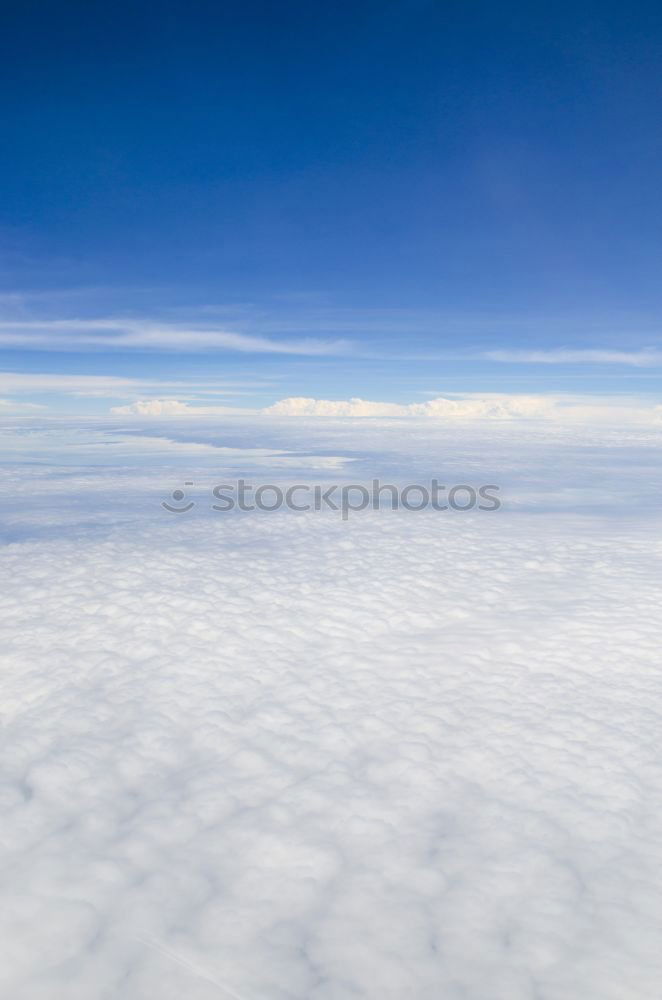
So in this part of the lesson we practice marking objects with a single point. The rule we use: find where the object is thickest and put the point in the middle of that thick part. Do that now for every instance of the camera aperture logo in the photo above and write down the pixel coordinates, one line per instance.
(345, 498)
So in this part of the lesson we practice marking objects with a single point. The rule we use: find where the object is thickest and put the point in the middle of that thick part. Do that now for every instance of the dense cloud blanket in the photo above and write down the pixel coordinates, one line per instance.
(277, 757)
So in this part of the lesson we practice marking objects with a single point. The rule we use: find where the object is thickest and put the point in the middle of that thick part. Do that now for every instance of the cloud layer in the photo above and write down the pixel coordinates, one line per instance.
(286, 758)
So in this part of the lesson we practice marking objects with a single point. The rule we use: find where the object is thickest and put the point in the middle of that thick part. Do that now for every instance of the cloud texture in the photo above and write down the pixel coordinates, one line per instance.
(283, 757)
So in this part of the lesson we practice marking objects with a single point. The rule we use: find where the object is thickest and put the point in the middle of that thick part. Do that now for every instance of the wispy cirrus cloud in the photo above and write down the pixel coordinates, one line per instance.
(12, 406)
(118, 386)
(173, 408)
(368, 334)
(15, 383)
(646, 358)
(140, 334)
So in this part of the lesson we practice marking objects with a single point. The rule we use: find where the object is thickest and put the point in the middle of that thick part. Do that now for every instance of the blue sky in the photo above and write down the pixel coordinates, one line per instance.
(391, 200)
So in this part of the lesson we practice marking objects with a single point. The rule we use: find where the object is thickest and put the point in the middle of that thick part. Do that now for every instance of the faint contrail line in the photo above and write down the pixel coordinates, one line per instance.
(191, 966)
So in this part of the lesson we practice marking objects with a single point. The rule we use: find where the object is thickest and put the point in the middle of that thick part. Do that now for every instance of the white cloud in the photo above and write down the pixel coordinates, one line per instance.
(638, 359)
(408, 756)
(11, 406)
(117, 386)
(489, 407)
(171, 408)
(496, 407)
(102, 385)
(74, 334)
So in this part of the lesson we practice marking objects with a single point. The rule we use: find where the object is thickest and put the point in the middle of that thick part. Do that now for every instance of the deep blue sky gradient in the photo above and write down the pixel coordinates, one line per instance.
(413, 175)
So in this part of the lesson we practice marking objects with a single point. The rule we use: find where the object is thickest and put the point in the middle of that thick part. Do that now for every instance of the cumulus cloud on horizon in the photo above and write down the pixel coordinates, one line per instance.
(497, 407)
(488, 407)
(295, 406)
(472, 407)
